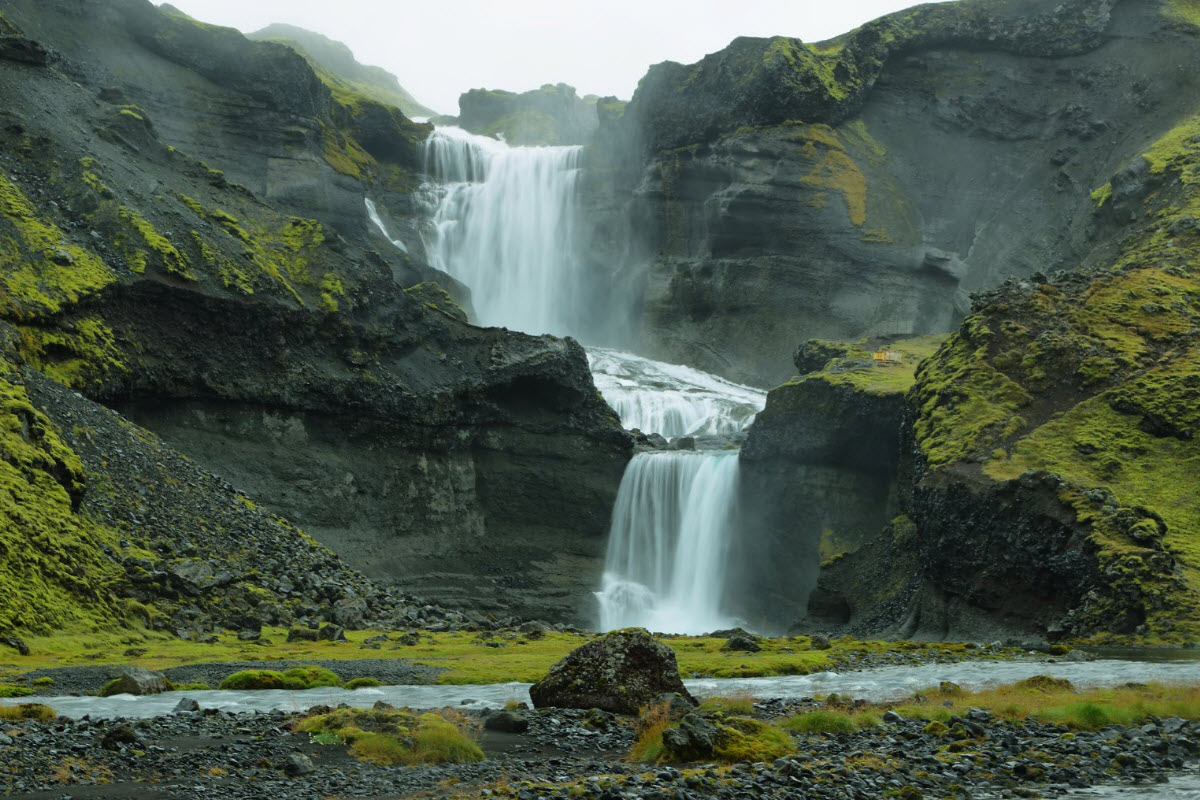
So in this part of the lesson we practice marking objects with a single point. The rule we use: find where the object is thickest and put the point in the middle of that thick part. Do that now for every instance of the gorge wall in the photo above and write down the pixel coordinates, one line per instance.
(186, 241)
(864, 186)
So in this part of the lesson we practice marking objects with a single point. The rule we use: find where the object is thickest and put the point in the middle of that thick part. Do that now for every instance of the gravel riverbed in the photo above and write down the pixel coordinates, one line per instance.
(218, 755)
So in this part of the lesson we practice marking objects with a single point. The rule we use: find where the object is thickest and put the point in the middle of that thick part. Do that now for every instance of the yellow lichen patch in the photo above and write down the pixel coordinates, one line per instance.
(41, 272)
(155, 246)
(80, 354)
(1184, 11)
(53, 571)
(331, 290)
(835, 171)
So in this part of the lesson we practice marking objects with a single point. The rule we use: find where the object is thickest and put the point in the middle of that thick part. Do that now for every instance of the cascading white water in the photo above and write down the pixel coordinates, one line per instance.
(669, 542)
(373, 215)
(505, 225)
(670, 399)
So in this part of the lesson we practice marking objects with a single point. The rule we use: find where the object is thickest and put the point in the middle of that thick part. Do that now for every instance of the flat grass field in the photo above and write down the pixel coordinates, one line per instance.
(466, 657)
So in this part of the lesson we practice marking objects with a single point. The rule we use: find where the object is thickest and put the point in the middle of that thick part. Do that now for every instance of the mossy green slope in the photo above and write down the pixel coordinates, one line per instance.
(54, 572)
(1094, 377)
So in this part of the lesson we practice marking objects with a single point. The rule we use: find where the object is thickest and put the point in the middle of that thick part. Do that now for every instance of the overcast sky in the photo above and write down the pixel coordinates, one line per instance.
(440, 48)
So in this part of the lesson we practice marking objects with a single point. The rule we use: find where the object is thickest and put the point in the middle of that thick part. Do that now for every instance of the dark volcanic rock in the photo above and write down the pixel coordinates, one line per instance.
(551, 115)
(619, 672)
(137, 681)
(784, 191)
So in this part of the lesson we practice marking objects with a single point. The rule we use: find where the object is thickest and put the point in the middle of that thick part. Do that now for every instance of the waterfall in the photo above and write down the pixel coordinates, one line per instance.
(670, 399)
(373, 215)
(504, 224)
(669, 542)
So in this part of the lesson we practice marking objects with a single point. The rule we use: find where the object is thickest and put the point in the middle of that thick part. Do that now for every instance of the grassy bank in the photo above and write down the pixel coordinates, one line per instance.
(467, 658)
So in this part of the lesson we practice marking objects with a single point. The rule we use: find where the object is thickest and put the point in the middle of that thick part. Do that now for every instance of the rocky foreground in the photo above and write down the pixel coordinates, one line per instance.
(565, 753)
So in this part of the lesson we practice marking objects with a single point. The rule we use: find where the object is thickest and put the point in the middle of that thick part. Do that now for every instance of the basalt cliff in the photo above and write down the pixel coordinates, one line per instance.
(191, 288)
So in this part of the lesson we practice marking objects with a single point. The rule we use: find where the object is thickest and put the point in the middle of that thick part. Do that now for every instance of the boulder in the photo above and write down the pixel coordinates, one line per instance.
(820, 642)
(302, 635)
(16, 643)
(507, 722)
(742, 642)
(619, 672)
(332, 633)
(298, 764)
(135, 680)
(186, 706)
(695, 739)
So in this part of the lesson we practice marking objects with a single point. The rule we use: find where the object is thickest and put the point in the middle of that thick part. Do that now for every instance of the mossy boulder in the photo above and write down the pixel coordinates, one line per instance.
(136, 681)
(621, 672)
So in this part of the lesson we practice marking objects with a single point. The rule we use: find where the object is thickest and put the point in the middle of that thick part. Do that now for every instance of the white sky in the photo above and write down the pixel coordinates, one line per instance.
(440, 48)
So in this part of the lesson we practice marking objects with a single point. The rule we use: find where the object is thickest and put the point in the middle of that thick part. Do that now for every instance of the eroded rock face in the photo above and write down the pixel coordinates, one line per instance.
(619, 672)
(551, 115)
(193, 218)
(781, 194)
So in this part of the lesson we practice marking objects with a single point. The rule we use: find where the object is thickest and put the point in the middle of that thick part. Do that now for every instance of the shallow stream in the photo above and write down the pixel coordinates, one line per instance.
(885, 683)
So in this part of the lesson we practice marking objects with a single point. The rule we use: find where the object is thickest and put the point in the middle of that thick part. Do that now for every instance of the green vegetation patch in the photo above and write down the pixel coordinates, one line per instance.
(296, 678)
(43, 271)
(54, 573)
(398, 737)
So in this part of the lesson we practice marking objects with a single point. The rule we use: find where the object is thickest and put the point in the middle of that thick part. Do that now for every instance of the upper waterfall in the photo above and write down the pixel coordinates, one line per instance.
(505, 225)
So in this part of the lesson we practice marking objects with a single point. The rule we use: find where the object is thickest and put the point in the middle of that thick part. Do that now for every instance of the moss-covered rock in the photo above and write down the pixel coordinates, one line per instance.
(621, 672)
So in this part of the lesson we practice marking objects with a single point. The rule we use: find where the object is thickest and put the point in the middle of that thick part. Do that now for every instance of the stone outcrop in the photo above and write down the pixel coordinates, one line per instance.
(551, 115)
(338, 60)
(188, 244)
(620, 672)
(1045, 448)
(865, 186)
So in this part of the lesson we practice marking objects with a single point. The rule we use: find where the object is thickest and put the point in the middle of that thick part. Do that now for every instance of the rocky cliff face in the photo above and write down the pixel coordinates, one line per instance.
(864, 186)
(183, 237)
(551, 115)
(1046, 452)
(342, 67)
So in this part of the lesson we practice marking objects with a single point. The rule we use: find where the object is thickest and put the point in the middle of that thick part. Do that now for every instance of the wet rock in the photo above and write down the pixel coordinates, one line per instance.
(302, 635)
(741, 642)
(619, 672)
(695, 739)
(332, 633)
(507, 722)
(297, 765)
(186, 706)
(136, 681)
(16, 643)
(118, 737)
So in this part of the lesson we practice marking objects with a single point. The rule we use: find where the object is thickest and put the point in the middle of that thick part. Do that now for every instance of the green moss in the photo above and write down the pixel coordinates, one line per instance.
(835, 170)
(1186, 12)
(398, 737)
(147, 245)
(82, 354)
(193, 205)
(9, 690)
(296, 678)
(36, 278)
(1102, 195)
(53, 570)
(362, 683)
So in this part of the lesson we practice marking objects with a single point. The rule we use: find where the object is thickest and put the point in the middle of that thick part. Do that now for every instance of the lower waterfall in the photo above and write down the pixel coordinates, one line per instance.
(669, 542)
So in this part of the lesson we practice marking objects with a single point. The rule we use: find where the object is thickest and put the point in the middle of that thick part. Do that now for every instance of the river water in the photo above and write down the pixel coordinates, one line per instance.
(882, 684)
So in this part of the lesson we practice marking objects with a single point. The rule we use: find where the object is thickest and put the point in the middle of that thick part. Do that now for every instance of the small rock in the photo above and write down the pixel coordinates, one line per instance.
(62, 257)
(820, 642)
(507, 722)
(892, 716)
(185, 706)
(332, 633)
(298, 764)
(118, 737)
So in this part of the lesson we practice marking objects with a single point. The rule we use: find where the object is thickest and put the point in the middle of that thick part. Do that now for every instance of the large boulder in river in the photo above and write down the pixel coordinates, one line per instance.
(619, 672)
(136, 680)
